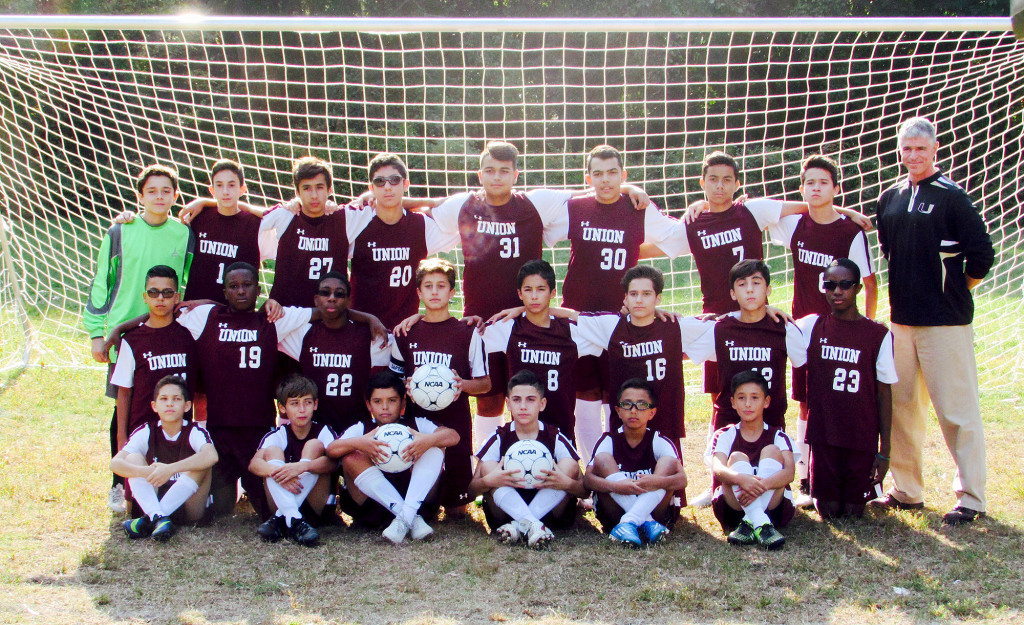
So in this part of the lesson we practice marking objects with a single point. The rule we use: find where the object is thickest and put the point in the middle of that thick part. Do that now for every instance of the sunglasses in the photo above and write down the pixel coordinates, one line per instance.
(846, 285)
(394, 181)
(635, 405)
(339, 294)
(164, 293)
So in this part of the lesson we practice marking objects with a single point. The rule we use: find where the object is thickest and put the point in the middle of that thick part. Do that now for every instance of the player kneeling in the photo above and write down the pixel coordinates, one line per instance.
(753, 464)
(373, 497)
(519, 505)
(635, 472)
(167, 465)
(292, 461)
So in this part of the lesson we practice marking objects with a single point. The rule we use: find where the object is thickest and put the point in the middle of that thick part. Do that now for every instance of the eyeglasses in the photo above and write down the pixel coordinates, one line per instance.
(338, 294)
(830, 285)
(164, 293)
(394, 181)
(635, 405)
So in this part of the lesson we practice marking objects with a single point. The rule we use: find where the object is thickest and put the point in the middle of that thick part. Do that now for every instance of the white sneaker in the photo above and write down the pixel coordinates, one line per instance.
(803, 500)
(396, 531)
(420, 530)
(115, 499)
(702, 500)
(539, 536)
(508, 533)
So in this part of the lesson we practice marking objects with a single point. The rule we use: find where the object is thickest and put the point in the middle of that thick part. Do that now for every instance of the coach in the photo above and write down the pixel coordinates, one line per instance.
(938, 249)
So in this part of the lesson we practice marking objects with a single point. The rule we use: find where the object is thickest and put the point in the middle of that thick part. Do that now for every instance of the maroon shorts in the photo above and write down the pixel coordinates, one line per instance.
(800, 383)
(497, 369)
(373, 516)
(496, 517)
(840, 474)
(588, 373)
(458, 472)
(730, 519)
(711, 377)
(609, 513)
(235, 449)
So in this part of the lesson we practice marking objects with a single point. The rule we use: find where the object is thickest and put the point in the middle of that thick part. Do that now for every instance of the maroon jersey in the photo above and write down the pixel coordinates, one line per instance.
(384, 261)
(639, 460)
(496, 241)
(237, 356)
(339, 361)
(283, 437)
(551, 354)
(222, 240)
(814, 247)
(760, 346)
(729, 440)
(155, 353)
(842, 384)
(653, 353)
(606, 240)
(548, 435)
(718, 241)
(308, 249)
(168, 452)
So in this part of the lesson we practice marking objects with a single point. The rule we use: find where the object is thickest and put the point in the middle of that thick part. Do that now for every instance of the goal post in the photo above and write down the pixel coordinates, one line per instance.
(86, 101)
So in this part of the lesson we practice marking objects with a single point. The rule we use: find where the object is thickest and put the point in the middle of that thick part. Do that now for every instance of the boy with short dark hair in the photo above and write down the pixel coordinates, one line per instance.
(850, 369)
(439, 338)
(167, 465)
(374, 498)
(753, 464)
(635, 471)
(513, 512)
(293, 462)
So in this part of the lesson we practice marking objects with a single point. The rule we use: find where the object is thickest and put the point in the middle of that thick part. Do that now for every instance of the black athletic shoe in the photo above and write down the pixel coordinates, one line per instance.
(272, 530)
(744, 534)
(303, 533)
(894, 504)
(137, 528)
(961, 515)
(805, 486)
(163, 529)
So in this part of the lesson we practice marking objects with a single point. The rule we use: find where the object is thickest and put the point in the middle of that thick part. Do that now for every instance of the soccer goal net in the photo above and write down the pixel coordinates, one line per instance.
(86, 102)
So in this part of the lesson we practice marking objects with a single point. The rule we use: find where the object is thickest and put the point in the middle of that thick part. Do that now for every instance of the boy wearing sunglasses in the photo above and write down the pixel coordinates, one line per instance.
(850, 368)
(635, 471)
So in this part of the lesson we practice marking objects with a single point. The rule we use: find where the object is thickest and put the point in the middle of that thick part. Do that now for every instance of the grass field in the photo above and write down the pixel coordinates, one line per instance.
(63, 559)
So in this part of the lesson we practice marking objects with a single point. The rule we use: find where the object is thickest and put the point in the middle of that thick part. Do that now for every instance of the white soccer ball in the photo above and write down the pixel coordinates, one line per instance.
(528, 458)
(432, 387)
(397, 437)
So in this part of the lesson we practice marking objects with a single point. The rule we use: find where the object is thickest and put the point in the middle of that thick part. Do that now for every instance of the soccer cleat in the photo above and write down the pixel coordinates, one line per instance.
(769, 538)
(137, 528)
(961, 515)
(395, 533)
(803, 500)
(743, 535)
(703, 500)
(115, 499)
(889, 501)
(626, 534)
(508, 533)
(163, 529)
(303, 533)
(273, 529)
(539, 536)
(653, 532)
(420, 530)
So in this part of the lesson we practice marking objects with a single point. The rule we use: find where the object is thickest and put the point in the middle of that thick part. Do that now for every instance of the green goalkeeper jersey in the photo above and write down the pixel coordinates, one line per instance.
(129, 251)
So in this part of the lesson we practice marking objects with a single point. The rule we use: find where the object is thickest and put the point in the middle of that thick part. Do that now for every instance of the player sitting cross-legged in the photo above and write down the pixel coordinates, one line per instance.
(374, 498)
(292, 461)
(753, 464)
(635, 471)
(514, 512)
(167, 465)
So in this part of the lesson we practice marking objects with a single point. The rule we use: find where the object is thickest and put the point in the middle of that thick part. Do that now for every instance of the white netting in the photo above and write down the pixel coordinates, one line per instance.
(82, 110)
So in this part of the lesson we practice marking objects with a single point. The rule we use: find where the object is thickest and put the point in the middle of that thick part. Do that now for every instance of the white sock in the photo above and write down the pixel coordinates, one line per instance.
(287, 504)
(179, 492)
(374, 485)
(145, 495)
(307, 480)
(765, 469)
(589, 427)
(545, 501)
(625, 501)
(484, 427)
(801, 434)
(425, 472)
(640, 512)
(754, 511)
(711, 436)
(512, 504)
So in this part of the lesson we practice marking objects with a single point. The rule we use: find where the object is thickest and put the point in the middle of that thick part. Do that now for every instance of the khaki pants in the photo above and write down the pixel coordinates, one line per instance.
(937, 362)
